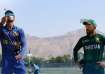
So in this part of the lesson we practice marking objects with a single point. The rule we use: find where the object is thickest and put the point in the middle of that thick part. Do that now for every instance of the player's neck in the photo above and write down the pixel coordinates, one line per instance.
(10, 26)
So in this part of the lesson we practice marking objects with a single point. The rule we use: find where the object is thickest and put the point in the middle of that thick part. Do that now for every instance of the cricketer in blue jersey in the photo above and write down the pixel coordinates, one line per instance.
(13, 44)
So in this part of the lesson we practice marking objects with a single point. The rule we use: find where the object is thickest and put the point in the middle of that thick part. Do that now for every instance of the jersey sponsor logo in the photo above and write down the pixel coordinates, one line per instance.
(92, 47)
(16, 34)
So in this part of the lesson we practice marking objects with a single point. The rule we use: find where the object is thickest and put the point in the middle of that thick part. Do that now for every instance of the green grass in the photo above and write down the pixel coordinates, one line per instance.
(60, 71)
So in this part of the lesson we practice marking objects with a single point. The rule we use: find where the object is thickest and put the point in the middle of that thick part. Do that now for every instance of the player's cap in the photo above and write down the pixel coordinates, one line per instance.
(89, 21)
(9, 13)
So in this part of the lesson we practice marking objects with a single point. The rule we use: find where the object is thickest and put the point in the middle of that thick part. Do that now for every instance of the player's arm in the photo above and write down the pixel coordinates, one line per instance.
(102, 63)
(2, 22)
(103, 40)
(23, 45)
(76, 49)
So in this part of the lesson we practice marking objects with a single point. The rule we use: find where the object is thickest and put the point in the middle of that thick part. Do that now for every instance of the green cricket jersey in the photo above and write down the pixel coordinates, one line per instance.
(93, 48)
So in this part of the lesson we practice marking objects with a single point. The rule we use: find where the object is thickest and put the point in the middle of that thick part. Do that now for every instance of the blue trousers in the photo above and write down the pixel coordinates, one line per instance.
(92, 69)
(11, 65)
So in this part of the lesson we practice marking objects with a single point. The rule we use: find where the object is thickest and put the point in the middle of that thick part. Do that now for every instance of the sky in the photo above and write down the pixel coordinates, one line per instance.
(47, 18)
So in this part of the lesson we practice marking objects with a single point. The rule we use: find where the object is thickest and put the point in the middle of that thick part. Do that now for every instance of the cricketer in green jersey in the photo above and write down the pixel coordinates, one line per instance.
(93, 46)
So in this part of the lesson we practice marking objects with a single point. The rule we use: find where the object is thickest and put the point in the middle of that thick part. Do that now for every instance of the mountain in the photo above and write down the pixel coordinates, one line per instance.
(54, 46)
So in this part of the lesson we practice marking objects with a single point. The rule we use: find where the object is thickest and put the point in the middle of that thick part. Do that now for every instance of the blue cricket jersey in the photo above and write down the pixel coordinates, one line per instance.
(13, 42)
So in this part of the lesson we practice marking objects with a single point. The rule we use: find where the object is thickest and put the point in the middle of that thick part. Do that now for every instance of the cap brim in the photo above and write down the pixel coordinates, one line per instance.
(85, 23)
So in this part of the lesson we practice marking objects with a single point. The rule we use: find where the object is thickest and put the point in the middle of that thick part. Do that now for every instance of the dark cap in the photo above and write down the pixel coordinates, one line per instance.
(9, 13)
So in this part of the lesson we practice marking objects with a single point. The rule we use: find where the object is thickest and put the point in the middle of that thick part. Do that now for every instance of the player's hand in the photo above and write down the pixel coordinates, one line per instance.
(3, 20)
(18, 57)
(101, 63)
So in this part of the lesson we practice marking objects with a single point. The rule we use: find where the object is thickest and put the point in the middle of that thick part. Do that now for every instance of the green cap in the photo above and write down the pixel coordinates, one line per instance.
(89, 21)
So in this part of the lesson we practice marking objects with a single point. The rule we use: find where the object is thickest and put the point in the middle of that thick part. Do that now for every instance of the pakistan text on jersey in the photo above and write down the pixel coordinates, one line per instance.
(92, 47)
